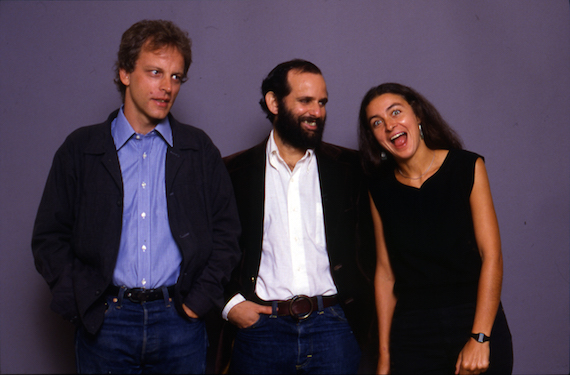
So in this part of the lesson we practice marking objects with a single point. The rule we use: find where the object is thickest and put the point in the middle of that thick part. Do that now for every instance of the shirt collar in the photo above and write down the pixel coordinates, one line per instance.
(273, 152)
(122, 131)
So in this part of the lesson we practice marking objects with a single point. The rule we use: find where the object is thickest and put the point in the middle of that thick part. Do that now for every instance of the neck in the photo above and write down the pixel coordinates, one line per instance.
(418, 166)
(139, 123)
(291, 155)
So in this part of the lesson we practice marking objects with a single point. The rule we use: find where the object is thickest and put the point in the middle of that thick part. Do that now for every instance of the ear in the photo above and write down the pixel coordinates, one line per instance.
(271, 102)
(124, 76)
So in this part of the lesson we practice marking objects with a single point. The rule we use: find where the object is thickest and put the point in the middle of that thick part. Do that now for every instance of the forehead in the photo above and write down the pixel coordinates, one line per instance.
(386, 101)
(307, 84)
(167, 54)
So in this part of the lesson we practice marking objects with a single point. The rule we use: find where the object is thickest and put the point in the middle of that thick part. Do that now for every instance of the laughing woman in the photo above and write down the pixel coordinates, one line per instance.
(439, 269)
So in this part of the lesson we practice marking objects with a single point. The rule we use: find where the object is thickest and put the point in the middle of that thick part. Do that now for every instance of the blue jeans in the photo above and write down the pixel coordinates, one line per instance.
(143, 338)
(321, 344)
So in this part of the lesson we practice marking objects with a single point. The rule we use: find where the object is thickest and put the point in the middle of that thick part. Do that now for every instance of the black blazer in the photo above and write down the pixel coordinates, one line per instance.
(348, 227)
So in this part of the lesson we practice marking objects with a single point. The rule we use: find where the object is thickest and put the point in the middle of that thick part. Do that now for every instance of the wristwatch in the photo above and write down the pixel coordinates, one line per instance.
(480, 337)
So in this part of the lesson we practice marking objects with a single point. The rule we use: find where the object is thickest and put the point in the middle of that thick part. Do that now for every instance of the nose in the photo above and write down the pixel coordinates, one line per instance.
(317, 110)
(166, 85)
(390, 124)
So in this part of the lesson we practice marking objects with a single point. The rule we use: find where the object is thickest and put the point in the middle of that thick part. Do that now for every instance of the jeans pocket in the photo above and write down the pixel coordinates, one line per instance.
(337, 312)
(262, 318)
(111, 305)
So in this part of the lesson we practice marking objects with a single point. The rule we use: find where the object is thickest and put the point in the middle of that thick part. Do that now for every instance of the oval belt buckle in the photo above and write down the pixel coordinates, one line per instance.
(296, 299)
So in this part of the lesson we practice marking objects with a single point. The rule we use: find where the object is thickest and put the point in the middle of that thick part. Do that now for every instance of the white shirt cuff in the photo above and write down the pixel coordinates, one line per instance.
(238, 298)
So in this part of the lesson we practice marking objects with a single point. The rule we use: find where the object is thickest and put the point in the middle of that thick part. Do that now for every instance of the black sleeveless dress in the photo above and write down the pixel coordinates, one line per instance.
(436, 263)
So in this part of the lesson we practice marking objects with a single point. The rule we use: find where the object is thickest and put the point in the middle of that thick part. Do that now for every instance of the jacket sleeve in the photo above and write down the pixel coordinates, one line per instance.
(207, 288)
(52, 233)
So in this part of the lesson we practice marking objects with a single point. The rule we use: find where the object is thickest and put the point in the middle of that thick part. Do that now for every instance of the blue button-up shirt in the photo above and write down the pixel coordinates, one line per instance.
(148, 255)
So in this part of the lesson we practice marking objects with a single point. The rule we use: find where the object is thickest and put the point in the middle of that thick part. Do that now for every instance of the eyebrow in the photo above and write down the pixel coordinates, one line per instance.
(393, 105)
(387, 109)
(308, 97)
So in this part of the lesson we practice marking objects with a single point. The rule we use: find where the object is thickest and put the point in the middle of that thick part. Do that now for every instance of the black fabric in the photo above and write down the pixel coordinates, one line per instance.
(433, 253)
(429, 234)
(428, 341)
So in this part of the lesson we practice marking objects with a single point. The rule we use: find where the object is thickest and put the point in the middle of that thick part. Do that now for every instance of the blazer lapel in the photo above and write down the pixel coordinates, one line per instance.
(102, 144)
(331, 179)
(252, 191)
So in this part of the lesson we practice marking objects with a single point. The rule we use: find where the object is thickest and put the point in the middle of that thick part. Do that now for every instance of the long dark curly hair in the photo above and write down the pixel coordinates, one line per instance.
(437, 133)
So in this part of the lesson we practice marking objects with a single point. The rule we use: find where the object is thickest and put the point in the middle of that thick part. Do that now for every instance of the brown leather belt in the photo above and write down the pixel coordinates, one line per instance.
(301, 306)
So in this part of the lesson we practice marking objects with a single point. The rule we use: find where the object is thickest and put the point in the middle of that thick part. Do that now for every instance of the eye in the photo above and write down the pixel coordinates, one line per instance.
(376, 123)
(396, 112)
(176, 77)
(323, 102)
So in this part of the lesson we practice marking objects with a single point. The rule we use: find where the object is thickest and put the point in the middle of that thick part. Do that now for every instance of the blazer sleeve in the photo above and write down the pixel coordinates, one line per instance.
(207, 289)
(52, 233)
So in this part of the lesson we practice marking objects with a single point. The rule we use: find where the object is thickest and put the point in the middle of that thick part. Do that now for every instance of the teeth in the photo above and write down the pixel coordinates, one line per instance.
(397, 136)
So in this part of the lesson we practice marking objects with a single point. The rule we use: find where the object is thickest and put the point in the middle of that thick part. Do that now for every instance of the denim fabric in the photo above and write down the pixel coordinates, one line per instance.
(142, 339)
(321, 344)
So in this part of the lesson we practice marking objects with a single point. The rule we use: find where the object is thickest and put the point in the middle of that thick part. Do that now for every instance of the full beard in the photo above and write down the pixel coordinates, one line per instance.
(292, 133)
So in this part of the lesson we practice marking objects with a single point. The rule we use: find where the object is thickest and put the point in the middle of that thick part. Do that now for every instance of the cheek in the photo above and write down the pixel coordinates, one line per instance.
(380, 136)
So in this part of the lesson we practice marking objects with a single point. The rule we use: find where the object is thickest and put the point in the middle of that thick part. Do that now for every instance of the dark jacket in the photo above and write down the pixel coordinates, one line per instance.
(78, 226)
(348, 227)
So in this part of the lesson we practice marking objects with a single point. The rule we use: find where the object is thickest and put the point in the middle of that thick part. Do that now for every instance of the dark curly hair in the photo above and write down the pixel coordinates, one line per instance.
(437, 133)
(277, 82)
(158, 34)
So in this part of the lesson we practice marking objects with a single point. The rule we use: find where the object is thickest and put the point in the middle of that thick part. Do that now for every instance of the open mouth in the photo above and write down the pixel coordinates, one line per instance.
(162, 102)
(399, 139)
(310, 123)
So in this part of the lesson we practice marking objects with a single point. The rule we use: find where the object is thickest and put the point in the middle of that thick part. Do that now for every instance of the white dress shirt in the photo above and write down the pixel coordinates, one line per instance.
(294, 258)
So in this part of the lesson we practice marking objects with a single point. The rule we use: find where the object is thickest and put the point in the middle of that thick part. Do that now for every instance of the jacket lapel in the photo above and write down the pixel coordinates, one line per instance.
(174, 154)
(331, 180)
(102, 144)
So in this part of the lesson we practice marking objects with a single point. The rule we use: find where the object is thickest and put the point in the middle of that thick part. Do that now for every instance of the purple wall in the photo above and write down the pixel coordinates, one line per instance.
(499, 71)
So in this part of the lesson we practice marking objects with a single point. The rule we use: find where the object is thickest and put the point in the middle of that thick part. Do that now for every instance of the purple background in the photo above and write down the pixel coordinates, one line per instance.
(499, 71)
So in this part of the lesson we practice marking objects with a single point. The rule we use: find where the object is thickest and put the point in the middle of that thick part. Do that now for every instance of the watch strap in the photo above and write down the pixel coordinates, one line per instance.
(480, 337)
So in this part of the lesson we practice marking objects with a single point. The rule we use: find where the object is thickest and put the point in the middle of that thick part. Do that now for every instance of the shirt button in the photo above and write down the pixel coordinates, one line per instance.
(143, 282)
(143, 215)
(138, 136)
(143, 248)
(143, 185)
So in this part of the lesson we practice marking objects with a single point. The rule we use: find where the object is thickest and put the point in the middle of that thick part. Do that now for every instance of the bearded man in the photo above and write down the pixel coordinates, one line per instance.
(300, 297)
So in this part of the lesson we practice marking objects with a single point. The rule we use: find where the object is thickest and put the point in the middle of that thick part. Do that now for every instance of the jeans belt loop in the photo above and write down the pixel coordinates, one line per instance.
(274, 308)
(121, 295)
(166, 296)
(320, 303)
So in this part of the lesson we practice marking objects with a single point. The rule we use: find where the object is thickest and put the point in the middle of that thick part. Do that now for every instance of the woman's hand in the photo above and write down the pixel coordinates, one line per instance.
(473, 359)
